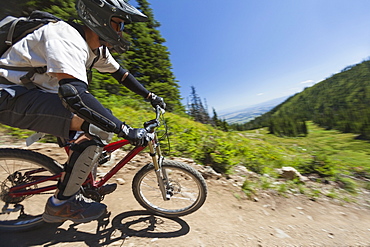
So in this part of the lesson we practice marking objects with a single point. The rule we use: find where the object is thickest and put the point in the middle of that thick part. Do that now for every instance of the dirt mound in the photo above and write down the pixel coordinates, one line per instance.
(226, 219)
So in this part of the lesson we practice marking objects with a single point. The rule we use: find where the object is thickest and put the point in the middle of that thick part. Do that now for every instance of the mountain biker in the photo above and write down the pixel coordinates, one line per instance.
(60, 104)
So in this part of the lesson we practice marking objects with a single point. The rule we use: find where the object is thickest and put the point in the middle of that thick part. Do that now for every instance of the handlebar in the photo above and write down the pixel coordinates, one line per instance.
(152, 124)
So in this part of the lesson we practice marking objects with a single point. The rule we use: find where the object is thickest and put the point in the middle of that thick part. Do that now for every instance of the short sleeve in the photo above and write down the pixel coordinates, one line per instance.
(66, 57)
(106, 64)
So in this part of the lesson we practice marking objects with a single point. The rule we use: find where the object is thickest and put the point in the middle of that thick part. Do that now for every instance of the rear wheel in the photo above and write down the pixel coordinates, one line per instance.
(186, 189)
(17, 167)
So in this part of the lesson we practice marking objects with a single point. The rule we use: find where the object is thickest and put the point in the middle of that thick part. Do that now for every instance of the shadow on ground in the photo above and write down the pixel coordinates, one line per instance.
(128, 224)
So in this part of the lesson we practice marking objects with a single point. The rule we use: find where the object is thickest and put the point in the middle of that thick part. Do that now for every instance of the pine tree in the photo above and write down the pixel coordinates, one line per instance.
(220, 124)
(148, 59)
(14, 8)
(224, 125)
(196, 109)
(61, 8)
(215, 121)
(64, 9)
(271, 127)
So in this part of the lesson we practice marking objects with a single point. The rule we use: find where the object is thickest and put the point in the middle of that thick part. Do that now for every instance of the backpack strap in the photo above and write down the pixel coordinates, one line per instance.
(10, 40)
(9, 37)
(89, 71)
(26, 79)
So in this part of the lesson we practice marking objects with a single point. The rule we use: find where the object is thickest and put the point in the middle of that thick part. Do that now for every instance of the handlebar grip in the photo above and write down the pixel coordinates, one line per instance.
(150, 125)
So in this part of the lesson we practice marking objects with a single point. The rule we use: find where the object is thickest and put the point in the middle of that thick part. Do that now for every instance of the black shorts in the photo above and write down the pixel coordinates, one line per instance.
(36, 110)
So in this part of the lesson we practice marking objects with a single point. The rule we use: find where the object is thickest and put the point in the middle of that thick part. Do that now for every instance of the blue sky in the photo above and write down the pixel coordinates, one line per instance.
(241, 52)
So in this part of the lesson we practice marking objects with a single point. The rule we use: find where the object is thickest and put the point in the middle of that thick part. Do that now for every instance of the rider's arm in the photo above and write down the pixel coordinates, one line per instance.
(129, 81)
(77, 98)
(107, 64)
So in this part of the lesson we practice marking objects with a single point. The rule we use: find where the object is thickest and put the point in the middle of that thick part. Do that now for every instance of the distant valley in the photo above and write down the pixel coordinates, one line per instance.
(251, 112)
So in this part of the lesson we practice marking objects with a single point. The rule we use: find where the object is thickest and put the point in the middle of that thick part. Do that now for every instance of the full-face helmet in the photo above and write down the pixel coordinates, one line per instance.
(98, 14)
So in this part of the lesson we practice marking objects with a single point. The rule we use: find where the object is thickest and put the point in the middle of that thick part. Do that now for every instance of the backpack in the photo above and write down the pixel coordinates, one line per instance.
(13, 29)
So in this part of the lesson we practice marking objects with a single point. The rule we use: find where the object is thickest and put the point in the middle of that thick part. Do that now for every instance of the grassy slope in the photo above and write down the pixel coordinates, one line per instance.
(341, 150)
(328, 153)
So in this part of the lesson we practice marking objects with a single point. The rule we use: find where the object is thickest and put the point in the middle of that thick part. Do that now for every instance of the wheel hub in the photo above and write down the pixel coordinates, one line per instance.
(12, 180)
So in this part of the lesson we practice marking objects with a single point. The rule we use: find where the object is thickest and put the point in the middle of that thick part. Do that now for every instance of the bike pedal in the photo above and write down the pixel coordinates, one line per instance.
(107, 189)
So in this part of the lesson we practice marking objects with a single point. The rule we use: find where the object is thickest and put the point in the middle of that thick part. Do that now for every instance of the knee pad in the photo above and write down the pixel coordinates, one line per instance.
(78, 167)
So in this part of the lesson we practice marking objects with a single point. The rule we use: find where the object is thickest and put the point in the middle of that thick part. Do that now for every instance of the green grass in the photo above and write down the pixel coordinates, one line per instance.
(332, 155)
(341, 151)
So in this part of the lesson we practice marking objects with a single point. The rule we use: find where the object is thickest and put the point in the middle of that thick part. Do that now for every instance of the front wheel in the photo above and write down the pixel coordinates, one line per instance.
(186, 187)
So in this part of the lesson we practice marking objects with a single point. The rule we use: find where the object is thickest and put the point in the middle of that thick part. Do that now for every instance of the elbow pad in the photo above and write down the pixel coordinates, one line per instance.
(78, 100)
(130, 82)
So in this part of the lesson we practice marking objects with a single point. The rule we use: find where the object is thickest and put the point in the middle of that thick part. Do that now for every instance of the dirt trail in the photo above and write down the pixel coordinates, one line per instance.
(226, 219)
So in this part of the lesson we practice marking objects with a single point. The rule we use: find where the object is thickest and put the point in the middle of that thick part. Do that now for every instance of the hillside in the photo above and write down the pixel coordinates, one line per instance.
(328, 155)
(340, 102)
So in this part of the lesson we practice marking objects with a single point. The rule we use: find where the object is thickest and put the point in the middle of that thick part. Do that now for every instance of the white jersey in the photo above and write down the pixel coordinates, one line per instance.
(60, 48)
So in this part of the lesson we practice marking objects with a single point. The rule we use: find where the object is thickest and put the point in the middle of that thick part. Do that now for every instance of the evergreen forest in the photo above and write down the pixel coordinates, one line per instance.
(340, 102)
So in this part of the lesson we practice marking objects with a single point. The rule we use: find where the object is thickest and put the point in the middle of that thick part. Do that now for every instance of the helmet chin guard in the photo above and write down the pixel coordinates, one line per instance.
(97, 15)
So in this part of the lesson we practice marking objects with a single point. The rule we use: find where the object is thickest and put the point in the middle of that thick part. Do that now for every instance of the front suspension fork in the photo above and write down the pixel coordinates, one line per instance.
(156, 154)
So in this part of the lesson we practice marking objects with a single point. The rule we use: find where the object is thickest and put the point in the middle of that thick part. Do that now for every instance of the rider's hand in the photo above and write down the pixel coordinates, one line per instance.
(156, 100)
(136, 136)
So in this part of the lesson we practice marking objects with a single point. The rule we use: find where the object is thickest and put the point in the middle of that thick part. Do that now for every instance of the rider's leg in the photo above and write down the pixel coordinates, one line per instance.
(91, 151)
(64, 205)
(44, 112)
(81, 162)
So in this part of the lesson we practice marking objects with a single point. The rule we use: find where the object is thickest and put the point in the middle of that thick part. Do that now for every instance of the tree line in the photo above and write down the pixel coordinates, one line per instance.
(199, 112)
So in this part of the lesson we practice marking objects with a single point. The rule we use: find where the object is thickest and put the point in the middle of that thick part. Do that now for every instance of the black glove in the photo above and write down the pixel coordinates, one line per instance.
(136, 136)
(156, 100)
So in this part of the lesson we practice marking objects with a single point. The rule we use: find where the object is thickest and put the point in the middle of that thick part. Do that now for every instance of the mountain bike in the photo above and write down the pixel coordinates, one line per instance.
(163, 187)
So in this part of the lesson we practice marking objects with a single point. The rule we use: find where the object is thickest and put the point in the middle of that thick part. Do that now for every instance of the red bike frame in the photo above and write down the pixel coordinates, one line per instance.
(21, 190)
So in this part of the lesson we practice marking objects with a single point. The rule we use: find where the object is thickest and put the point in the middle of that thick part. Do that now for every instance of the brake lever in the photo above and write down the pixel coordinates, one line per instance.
(159, 110)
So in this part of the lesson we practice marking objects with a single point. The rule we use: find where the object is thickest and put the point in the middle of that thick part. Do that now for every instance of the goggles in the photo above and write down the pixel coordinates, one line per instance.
(121, 25)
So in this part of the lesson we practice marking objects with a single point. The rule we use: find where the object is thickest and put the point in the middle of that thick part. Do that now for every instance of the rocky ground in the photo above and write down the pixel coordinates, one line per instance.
(227, 218)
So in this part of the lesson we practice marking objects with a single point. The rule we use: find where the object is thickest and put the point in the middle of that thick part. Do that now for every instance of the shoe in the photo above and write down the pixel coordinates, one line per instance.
(75, 209)
(107, 189)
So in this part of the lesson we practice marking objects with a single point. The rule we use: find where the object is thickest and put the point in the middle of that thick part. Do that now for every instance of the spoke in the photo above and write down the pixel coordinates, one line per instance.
(183, 198)
(184, 188)
(6, 165)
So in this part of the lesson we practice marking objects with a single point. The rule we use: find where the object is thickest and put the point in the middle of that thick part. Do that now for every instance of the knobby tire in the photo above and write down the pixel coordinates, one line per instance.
(188, 187)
